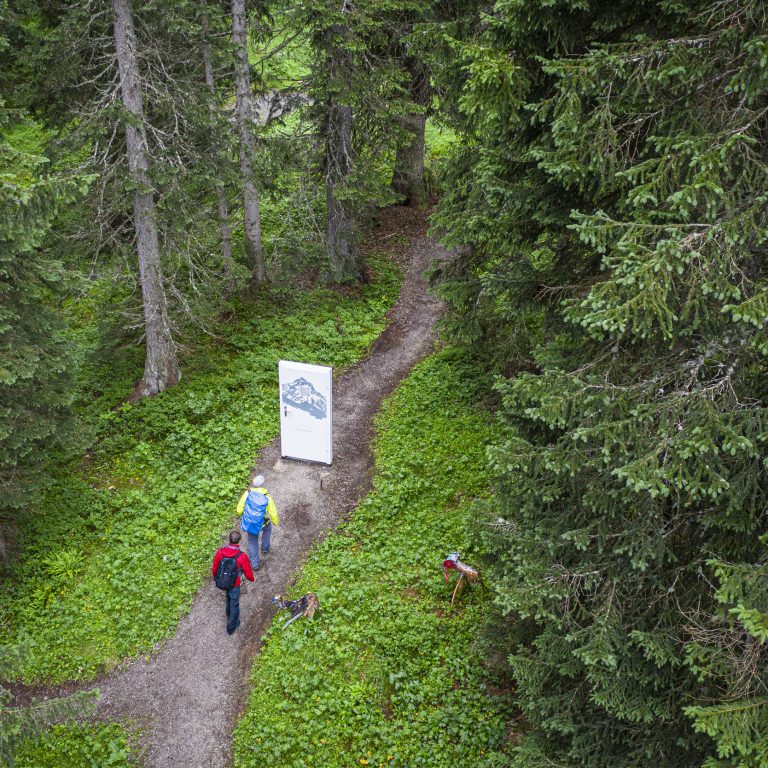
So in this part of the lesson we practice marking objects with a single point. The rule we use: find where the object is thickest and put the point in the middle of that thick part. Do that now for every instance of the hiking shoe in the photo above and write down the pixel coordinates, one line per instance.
(256, 567)
(264, 551)
(232, 631)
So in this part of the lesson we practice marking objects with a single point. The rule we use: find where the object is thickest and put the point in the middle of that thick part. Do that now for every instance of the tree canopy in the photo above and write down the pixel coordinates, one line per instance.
(610, 199)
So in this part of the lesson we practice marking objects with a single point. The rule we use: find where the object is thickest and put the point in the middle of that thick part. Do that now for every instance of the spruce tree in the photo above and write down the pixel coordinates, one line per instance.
(185, 140)
(245, 126)
(355, 89)
(611, 193)
(408, 176)
(35, 361)
(214, 110)
(161, 368)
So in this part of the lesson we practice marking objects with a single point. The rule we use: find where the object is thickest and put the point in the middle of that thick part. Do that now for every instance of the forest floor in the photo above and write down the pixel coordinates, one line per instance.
(186, 698)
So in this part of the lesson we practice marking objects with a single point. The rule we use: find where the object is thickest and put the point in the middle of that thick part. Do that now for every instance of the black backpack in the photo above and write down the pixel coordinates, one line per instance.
(226, 573)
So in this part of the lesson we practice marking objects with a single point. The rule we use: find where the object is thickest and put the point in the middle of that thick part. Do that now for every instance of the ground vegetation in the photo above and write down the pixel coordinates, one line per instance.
(387, 674)
(121, 537)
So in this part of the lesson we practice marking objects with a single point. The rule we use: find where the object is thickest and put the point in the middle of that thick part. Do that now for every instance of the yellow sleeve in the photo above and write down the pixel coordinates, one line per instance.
(272, 511)
(241, 503)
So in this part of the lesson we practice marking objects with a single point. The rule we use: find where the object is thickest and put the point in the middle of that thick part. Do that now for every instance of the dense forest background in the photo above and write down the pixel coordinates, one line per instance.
(173, 171)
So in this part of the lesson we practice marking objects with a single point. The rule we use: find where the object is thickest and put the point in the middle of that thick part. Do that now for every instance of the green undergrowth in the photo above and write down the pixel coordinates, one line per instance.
(386, 674)
(280, 62)
(77, 746)
(438, 142)
(114, 550)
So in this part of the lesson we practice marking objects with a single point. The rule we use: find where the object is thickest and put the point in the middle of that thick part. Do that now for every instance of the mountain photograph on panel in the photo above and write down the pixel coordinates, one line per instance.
(301, 394)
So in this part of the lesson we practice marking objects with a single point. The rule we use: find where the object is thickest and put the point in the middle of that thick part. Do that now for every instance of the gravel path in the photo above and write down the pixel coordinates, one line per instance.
(188, 696)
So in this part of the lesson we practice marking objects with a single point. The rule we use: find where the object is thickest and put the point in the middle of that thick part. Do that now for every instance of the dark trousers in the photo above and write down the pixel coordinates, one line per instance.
(233, 609)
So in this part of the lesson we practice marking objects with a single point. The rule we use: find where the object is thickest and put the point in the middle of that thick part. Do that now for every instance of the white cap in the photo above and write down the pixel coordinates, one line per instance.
(257, 481)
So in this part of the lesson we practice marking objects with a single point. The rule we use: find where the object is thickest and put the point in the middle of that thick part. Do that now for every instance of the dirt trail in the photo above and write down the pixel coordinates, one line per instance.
(188, 696)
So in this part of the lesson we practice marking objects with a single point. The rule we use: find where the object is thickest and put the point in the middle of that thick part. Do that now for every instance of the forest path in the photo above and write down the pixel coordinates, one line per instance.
(187, 697)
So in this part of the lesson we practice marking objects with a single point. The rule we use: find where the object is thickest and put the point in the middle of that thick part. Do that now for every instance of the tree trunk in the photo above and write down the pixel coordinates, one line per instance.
(226, 239)
(244, 111)
(161, 368)
(342, 253)
(221, 196)
(342, 257)
(408, 177)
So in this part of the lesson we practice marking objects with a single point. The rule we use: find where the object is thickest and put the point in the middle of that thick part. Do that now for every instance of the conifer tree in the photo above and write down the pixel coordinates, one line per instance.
(334, 41)
(408, 175)
(355, 86)
(221, 194)
(338, 153)
(161, 368)
(182, 142)
(244, 111)
(612, 194)
(35, 361)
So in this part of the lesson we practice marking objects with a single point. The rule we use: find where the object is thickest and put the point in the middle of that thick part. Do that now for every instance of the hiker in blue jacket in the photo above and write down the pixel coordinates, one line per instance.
(259, 515)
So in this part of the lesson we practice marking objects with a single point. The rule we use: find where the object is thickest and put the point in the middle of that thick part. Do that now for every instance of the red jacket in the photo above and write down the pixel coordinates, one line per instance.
(242, 562)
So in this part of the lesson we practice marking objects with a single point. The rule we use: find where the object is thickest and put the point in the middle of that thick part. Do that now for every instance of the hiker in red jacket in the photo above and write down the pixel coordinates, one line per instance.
(228, 563)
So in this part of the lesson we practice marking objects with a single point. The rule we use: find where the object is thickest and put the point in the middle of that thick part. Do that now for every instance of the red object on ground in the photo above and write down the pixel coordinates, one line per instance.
(448, 563)
(242, 561)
